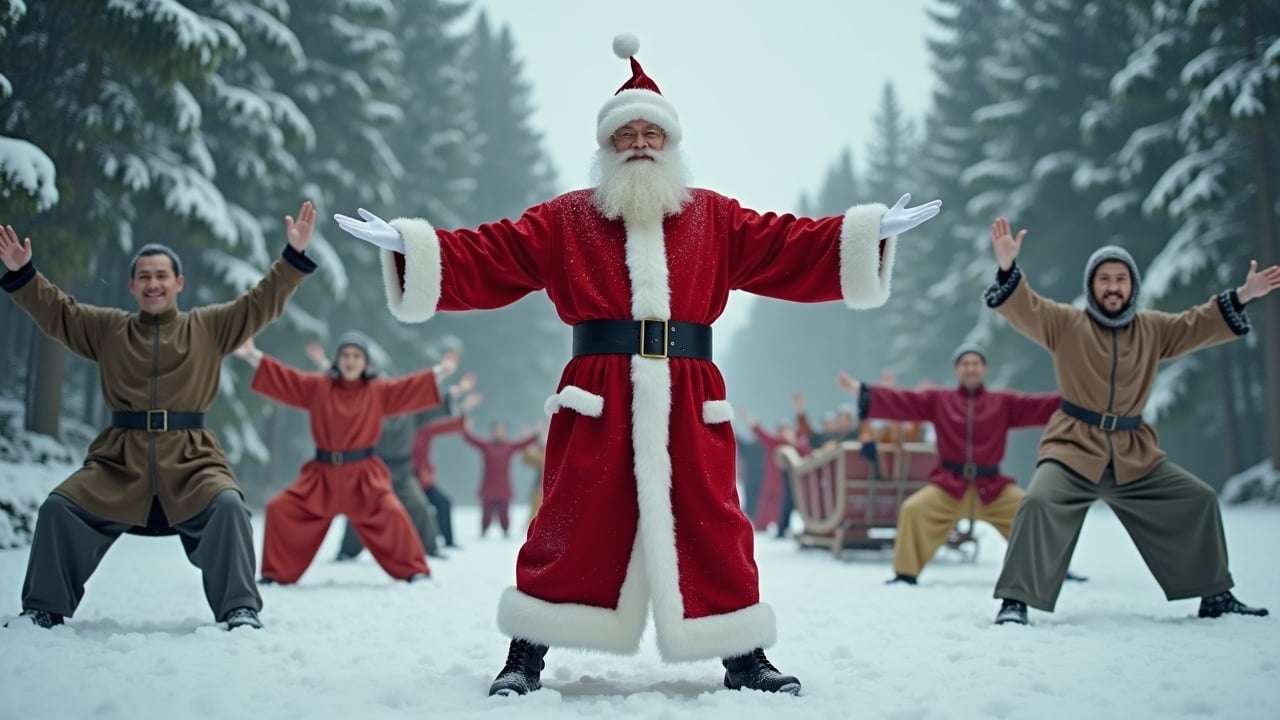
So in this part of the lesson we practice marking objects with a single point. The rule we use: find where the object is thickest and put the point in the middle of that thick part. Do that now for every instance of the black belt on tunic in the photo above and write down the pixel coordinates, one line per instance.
(971, 470)
(657, 339)
(342, 457)
(157, 420)
(1106, 421)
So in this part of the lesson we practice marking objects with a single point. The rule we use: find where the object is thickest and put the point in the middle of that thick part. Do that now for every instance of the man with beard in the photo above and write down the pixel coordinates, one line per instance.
(640, 507)
(1097, 446)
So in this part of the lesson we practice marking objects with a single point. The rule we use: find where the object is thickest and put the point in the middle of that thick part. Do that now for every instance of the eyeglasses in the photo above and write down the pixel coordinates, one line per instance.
(626, 136)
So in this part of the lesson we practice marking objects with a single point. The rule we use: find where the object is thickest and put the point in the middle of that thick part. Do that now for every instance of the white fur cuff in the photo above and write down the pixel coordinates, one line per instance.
(865, 274)
(575, 398)
(415, 299)
(716, 411)
(718, 636)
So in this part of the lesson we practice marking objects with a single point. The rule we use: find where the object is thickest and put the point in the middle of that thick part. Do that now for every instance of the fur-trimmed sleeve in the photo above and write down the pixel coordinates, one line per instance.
(1216, 321)
(1041, 320)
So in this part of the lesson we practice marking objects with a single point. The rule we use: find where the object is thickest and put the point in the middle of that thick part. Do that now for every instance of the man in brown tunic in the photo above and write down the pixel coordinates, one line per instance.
(157, 469)
(1096, 445)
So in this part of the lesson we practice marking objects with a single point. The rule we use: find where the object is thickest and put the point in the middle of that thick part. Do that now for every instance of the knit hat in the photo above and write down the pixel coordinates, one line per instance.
(965, 349)
(1111, 253)
(353, 338)
(638, 99)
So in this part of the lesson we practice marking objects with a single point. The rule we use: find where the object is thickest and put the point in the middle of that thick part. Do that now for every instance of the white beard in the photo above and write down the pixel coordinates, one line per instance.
(643, 190)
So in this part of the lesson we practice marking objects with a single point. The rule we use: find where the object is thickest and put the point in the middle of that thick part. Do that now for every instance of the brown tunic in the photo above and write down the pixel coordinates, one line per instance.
(1109, 370)
(182, 352)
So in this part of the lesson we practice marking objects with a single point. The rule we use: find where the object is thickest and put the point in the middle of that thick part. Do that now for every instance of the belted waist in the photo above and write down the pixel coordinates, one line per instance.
(157, 420)
(1106, 421)
(342, 457)
(647, 338)
(971, 470)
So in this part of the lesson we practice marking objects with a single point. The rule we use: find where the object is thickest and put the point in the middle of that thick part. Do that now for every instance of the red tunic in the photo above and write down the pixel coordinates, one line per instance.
(344, 416)
(495, 478)
(970, 427)
(640, 505)
(421, 453)
(769, 503)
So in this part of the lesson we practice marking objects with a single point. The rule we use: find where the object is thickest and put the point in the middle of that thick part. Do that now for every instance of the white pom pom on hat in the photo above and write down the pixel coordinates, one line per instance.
(625, 45)
(638, 99)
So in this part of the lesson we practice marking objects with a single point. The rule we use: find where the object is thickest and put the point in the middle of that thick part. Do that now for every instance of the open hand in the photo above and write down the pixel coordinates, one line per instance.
(900, 218)
(1006, 246)
(315, 352)
(847, 383)
(447, 365)
(1256, 284)
(299, 231)
(15, 254)
(247, 351)
(373, 230)
(472, 401)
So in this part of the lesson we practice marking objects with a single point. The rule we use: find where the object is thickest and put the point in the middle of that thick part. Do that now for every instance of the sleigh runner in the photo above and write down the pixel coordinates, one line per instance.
(848, 502)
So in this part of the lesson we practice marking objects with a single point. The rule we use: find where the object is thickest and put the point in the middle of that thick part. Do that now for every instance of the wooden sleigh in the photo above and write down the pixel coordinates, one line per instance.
(847, 503)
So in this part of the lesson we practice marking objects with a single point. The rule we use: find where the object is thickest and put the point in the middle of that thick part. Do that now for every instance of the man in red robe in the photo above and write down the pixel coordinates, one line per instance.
(347, 406)
(425, 469)
(640, 509)
(972, 425)
(495, 476)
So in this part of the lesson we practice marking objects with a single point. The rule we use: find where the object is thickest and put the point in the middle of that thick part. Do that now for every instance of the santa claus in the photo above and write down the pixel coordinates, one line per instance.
(640, 511)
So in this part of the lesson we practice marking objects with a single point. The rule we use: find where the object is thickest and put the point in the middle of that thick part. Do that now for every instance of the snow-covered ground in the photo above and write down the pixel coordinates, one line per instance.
(347, 642)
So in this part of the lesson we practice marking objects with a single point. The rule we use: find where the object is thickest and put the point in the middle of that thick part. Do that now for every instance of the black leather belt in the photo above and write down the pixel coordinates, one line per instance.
(971, 470)
(157, 420)
(342, 457)
(646, 338)
(1106, 421)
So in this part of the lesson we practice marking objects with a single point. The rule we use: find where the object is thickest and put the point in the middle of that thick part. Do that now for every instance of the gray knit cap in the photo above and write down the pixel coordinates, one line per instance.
(1111, 253)
(965, 349)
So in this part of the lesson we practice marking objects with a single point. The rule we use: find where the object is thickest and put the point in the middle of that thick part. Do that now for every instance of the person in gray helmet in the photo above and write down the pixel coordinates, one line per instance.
(1097, 447)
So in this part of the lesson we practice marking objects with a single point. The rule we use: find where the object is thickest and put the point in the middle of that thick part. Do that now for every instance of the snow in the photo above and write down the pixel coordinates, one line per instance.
(26, 168)
(1260, 481)
(264, 23)
(192, 30)
(1000, 111)
(186, 109)
(1053, 163)
(350, 642)
(1201, 67)
(1248, 104)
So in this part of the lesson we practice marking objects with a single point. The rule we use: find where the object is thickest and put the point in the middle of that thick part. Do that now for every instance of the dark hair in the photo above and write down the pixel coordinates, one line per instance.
(156, 249)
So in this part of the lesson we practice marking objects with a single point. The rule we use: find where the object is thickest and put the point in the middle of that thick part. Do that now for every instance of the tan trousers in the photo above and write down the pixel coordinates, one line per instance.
(931, 513)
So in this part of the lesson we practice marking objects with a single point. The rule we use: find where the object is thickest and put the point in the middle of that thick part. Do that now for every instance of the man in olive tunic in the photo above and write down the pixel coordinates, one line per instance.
(157, 469)
(1096, 446)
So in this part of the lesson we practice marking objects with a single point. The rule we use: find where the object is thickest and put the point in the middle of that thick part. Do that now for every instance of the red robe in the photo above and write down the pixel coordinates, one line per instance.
(421, 453)
(970, 427)
(769, 503)
(495, 478)
(640, 501)
(344, 416)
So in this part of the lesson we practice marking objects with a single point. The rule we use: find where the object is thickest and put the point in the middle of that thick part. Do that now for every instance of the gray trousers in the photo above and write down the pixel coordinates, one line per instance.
(1172, 516)
(421, 514)
(68, 544)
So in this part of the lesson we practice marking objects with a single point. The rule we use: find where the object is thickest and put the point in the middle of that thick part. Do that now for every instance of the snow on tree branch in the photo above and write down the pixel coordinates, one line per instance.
(26, 169)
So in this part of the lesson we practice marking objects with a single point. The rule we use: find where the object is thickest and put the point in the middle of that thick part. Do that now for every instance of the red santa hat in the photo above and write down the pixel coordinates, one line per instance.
(638, 99)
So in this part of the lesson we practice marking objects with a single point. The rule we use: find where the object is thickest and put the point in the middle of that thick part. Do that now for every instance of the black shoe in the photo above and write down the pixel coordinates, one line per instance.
(523, 672)
(268, 581)
(417, 577)
(344, 557)
(1224, 603)
(243, 617)
(437, 555)
(1072, 577)
(754, 672)
(1012, 611)
(41, 618)
(453, 546)
(901, 579)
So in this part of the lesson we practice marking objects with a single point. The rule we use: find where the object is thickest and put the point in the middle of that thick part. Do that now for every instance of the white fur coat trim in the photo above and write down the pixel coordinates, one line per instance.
(575, 398)
(864, 274)
(416, 301)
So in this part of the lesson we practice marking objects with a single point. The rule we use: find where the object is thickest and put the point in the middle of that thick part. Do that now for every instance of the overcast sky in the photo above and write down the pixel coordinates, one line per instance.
(768, 91)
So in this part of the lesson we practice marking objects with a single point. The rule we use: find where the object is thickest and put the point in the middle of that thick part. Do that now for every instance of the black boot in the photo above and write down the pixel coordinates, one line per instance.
(1224, 603)
(41, 618)
(1072, 577)
(901, 579)
(522, 673)
(1012, 611)
(243, 617)
(754, 672)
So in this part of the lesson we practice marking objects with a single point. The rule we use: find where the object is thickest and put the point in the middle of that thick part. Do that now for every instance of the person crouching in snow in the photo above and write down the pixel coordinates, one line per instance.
(347, 406)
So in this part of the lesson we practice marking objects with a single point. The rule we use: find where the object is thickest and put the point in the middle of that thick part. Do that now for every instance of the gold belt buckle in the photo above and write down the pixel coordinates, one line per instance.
(1113, 422)
(164, 421)
(666, 334)
(335, 457)
(970, 471)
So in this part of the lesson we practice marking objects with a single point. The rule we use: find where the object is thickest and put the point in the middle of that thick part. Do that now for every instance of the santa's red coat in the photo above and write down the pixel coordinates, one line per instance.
(640, 500)
(971, 426)
(345, 415)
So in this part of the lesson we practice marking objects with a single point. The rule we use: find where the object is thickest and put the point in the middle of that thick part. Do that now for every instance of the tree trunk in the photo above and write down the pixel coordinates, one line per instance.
(1266, 256)
(44, 381)
(1231, 406)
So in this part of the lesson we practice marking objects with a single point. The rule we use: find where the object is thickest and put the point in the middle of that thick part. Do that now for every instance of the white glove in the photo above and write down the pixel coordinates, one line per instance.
(374, 230)
(900, 218)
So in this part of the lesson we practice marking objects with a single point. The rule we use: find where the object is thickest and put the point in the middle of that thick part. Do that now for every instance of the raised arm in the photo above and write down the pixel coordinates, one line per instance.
(1219, 320)
(274, 379)
(230, 324)
(1030, 409)
(886, 403)
(77, 326)
(408, 393)
(1039, 319)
